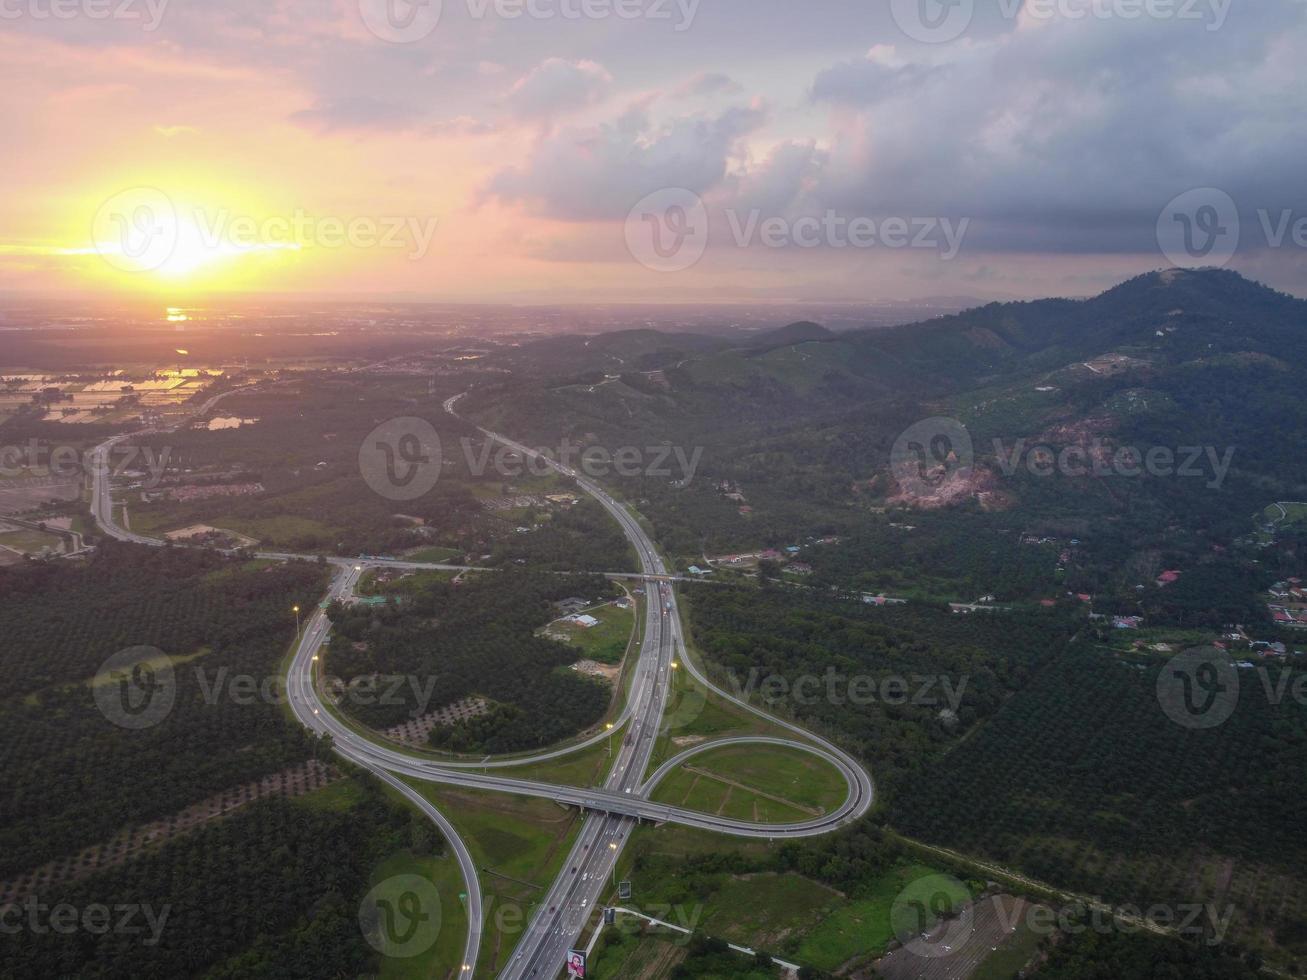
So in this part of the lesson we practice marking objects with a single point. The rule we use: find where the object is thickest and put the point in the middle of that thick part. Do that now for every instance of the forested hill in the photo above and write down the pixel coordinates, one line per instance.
(1174, 315)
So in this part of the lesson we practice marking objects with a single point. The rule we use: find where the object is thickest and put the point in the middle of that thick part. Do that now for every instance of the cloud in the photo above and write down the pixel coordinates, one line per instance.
(878, 76)
(1074, 136)
(708, 83)
(556, 87)
(356, 113)
(601, 172)
(462, 126)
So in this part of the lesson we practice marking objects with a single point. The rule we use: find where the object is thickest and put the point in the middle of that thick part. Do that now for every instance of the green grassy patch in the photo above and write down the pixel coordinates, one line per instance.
(761, 911)
(606, 643)
(153, 663)
(694, 715)
(443, 959)
(435, 555)
(776, 783)
(31, 542)
(626, 952)
(340, 796)
(519, 845)
(863, 926)
(587, 767)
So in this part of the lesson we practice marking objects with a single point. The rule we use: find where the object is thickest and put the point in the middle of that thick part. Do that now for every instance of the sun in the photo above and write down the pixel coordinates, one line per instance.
(145, 235)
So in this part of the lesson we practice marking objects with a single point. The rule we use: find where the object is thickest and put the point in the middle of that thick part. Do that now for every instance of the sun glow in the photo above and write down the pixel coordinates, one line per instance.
(144, 231)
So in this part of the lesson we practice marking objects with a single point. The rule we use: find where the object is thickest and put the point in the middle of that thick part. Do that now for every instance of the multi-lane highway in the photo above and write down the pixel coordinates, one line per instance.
(613, 809)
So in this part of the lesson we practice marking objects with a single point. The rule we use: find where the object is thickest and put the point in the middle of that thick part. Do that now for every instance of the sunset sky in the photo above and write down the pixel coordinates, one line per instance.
(297, 148)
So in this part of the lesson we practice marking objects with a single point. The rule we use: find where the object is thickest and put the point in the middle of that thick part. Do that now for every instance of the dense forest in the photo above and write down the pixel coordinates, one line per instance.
(908, 681)
(1091, 955)
(804, 431)
(477, 637)
(73, 776)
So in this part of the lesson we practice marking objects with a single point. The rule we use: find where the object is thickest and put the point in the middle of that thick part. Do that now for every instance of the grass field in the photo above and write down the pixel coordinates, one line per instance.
(862, 927)
(30, 542)
(1294, 512)
(443, 960)
(405, 585)
(605, 643)
(519, 845)
(626, 954)
(340, 796)
(787, 915)
(437, 556)
(758, 911)
(766, 783)
(1175, 637)
(157, 519)
(587, 767)
(694, 716)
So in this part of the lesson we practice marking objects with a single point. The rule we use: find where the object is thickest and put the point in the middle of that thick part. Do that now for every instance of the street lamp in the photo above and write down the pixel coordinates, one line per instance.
(613, 847)
(609, 726)
(297, 622)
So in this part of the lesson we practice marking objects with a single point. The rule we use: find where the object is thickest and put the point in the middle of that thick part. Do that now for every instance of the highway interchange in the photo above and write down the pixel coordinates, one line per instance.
(563, 915)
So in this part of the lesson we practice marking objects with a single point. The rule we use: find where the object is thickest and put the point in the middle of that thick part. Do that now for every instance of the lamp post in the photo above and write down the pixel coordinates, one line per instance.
(613, 847)
(297, 622)
(609, 726)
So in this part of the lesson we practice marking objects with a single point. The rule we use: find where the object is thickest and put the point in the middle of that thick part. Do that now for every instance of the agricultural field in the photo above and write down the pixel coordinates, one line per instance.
(22, 492)
(75, 777)
(276, 923)
(1082, 781)
(125, 395)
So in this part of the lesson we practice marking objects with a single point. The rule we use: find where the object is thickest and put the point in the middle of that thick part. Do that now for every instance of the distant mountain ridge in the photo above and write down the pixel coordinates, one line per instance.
(795, 333)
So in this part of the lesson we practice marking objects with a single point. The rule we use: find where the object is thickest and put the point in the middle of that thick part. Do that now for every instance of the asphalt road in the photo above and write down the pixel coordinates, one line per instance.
(570, 904)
